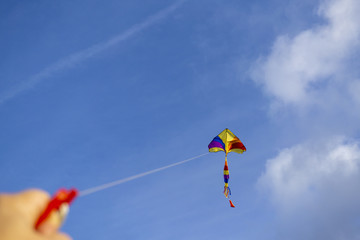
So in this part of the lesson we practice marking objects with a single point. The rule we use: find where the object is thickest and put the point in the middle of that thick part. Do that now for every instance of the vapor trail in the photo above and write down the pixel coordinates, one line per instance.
(140, 175)
(78, 57)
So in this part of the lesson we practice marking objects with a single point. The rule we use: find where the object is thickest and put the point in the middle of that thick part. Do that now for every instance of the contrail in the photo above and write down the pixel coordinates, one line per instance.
(140, 175)
(77, 57)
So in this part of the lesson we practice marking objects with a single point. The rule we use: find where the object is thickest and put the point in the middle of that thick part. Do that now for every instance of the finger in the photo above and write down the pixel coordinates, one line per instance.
(47, 228)
(32, 203)
(60, 236)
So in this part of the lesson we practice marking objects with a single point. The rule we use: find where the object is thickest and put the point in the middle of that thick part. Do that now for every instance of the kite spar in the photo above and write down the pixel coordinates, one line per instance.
(227, 142)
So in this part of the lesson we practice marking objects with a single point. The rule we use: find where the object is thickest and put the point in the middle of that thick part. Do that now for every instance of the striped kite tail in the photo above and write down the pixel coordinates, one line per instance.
(227, 191)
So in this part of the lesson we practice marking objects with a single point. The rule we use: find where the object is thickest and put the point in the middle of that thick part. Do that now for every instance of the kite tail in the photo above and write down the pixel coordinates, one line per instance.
(227, 191)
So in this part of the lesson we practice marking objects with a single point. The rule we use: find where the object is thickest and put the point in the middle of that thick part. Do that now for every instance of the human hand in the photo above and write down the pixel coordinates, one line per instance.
(18, 214)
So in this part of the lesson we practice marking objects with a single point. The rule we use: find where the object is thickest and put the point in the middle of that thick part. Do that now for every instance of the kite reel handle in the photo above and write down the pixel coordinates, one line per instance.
(57, 209)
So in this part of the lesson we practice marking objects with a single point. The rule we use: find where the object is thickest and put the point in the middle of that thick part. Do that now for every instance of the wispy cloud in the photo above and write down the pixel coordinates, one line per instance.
(78, 57)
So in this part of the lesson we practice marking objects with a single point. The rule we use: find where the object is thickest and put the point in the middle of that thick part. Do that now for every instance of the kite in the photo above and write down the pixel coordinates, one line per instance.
(227, 142)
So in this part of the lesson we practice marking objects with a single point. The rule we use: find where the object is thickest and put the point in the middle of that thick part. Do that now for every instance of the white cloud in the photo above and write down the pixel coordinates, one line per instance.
(298, 65)
(315, 186)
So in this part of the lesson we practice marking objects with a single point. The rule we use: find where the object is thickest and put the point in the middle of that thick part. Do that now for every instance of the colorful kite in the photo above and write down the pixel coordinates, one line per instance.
(226, 141)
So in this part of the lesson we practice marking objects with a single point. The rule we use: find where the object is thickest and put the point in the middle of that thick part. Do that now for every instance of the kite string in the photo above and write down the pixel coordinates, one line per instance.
(121, 181)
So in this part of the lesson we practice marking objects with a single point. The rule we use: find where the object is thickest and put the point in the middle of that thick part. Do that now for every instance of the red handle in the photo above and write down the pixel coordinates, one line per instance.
(56, 206)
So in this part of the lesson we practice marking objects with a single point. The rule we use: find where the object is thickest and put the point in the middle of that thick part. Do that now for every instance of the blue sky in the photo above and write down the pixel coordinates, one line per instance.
(96, 91)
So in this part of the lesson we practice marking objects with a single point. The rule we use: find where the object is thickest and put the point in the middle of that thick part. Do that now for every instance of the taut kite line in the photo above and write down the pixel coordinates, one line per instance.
(58, 207)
